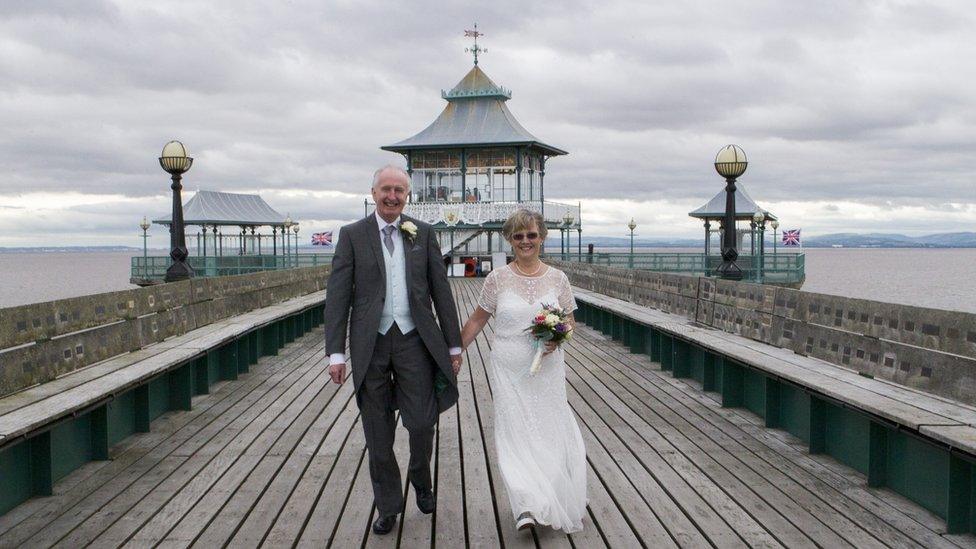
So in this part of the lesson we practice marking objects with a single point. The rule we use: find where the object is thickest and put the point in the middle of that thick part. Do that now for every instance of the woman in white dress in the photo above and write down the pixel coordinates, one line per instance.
(540, 450)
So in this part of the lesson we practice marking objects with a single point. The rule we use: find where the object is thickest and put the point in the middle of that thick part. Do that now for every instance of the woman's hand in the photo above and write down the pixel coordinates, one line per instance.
(550, 347)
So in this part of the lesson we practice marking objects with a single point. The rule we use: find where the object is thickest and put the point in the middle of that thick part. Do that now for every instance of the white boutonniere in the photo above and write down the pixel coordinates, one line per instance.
(409, 231)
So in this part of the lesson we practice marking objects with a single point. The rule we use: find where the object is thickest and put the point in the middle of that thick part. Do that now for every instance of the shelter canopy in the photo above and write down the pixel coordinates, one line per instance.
(220, 208)
(475, 115)
(745, 206)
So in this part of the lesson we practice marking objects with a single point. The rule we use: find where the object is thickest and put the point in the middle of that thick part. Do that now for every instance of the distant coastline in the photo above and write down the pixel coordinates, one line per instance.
(68, 249)
(838, 240)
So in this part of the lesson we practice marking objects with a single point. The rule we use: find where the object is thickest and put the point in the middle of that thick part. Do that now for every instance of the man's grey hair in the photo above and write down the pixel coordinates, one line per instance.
(390, 167)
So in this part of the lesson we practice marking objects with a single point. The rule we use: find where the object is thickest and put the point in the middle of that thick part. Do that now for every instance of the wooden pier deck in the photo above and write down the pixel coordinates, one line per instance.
(276, 458)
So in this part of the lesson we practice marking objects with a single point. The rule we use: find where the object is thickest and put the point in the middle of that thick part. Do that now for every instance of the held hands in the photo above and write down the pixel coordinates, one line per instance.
(338, 373)
(456, 362)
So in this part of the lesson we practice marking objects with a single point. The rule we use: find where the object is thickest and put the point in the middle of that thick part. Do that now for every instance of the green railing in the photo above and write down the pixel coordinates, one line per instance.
(153, 269)
(785, 268)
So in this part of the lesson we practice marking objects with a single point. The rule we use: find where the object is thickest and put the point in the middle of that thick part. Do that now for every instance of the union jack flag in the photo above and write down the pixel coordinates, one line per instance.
(322, 239)
(791, 237)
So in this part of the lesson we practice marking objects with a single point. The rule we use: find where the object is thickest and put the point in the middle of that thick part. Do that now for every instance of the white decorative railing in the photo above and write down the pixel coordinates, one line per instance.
(479, 213)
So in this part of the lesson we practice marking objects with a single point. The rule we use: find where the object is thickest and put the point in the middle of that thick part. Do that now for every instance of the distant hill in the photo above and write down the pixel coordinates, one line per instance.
(887, 240)
(846, 240)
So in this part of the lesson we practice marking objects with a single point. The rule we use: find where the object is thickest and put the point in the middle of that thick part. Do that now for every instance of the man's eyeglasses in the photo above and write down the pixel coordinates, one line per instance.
(518, 237)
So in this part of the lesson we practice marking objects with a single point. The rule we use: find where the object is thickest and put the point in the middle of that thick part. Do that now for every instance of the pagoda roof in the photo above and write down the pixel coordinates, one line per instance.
(745, 206)
(220, 208)
(475, 115)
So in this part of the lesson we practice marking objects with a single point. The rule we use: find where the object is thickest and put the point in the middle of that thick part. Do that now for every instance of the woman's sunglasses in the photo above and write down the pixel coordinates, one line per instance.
(518, 237)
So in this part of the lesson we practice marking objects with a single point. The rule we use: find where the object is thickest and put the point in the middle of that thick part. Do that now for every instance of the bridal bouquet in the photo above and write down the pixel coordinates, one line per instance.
(550, 324)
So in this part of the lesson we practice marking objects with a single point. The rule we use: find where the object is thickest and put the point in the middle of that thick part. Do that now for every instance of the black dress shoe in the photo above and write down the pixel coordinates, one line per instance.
(425, 501)
(384, 524)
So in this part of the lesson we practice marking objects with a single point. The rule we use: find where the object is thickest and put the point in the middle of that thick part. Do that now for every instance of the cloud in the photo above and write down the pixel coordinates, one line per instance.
(865, 106)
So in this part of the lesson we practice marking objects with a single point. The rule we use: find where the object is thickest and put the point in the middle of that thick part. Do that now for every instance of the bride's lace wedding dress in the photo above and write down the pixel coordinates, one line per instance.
(540, 449)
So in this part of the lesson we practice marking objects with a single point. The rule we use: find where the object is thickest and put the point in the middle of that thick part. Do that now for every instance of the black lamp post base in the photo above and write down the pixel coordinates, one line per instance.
(730, 271)
(178, 271)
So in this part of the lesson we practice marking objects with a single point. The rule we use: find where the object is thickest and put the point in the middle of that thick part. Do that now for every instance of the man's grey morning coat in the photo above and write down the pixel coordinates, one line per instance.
(358, 282)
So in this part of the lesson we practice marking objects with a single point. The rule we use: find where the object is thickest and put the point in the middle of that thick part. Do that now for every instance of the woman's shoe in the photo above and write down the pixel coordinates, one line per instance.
(525, 520)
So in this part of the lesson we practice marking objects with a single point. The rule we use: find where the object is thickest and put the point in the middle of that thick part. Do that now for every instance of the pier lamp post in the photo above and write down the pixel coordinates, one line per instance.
(568, 221)
(632, 225)
(760, 220)
(145, 258)
(774, 225)
(287, 235)
(730, 163)
(175, 161)
(295, 249)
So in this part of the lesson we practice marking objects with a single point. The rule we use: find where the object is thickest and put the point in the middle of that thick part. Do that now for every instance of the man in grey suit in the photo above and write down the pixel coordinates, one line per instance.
(386, 272)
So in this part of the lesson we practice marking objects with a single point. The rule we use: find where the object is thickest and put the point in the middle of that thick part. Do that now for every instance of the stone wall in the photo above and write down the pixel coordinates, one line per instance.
(928, 349)
(41, 341)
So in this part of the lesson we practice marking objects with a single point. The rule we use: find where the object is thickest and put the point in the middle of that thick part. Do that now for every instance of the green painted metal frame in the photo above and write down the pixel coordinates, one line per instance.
(30, 467)
(887, 455)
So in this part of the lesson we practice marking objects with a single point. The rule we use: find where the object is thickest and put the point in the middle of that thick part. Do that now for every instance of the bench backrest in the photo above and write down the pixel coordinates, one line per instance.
(929, 349)
(41, 341)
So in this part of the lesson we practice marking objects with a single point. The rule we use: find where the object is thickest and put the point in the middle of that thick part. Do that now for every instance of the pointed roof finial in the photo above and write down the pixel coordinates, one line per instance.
(475, 50)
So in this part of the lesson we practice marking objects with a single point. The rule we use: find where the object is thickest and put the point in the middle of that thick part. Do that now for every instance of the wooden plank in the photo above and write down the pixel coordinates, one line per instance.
(896, 510)
(328, 432)
(239, 487)
(206, 491)
(478, 506)
(354, 515)
(338, 469)
(656, 520)
(142, 452)
(449, 517)
(645, 466)
(201, 448)
(835, 515)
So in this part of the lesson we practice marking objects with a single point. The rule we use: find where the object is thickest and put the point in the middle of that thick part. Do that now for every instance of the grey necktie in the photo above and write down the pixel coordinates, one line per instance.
(388, 237)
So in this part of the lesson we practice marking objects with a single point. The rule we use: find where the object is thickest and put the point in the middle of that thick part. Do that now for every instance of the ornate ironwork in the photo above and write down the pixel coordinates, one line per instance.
(475, 50)
(480, 213)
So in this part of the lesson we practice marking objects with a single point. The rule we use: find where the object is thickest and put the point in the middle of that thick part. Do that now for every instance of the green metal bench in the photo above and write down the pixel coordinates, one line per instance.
(81, 409)
(920, 445)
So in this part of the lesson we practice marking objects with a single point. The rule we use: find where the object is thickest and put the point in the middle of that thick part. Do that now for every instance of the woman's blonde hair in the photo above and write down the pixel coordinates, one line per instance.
(521, 220)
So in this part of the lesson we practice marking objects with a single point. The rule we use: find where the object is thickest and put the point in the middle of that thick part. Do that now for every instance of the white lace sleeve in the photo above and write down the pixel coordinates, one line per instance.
(489, 293)
(566, 300)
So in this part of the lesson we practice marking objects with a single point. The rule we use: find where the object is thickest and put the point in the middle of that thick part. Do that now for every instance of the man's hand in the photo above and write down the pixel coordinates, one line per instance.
(338, 373)
(456, 362)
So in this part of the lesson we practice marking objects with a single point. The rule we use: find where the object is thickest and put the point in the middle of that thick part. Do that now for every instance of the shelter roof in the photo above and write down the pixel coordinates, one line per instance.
(475, 115)
(219, 208)
(745, 206)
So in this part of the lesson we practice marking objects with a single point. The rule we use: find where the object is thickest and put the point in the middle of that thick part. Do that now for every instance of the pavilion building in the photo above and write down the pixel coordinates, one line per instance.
(474, 166)
(229, 224)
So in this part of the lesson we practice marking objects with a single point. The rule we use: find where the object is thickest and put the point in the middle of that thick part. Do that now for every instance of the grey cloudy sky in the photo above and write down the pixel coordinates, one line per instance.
(856, 116)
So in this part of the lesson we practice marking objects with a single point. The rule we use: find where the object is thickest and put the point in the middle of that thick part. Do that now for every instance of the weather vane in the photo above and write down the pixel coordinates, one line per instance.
(475, 49)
